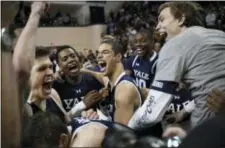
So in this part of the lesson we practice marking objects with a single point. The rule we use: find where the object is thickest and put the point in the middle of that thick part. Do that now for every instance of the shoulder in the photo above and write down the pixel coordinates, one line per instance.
(126, 91)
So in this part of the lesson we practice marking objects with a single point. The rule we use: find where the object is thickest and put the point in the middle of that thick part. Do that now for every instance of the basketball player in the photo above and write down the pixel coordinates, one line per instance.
(125, 96)
(192, 54)
(142, 66)
(45, 129)
(73, 86)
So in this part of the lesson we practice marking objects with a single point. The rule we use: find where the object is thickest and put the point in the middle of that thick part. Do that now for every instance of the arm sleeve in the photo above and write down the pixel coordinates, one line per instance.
(155, 106)
(169, 71)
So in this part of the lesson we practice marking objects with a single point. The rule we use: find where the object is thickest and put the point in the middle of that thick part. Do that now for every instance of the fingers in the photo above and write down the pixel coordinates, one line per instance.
(91, 114)
(84, 114)
(174, 131)
(104, 92)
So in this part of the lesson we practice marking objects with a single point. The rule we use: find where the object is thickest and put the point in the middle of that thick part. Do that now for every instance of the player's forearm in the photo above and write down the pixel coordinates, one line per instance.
(155, 106)
(24, 51)
(149, 113)
(77, 109)
(97, 75)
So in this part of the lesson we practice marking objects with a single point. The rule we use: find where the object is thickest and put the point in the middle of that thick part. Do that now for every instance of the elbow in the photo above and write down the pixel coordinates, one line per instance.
(18, 66)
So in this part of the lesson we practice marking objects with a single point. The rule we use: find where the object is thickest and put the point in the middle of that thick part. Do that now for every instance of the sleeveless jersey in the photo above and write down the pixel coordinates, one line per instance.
(143, 70)
(51, 106)
(111, 101)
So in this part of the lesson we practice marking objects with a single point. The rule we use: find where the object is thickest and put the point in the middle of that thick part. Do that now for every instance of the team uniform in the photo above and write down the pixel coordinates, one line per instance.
(70, 94)
(108, 105)
(79, 123)
(143, 70)
(51, 106)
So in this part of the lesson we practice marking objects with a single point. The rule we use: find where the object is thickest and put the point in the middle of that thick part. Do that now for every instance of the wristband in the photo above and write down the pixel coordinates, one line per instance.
(77, 108)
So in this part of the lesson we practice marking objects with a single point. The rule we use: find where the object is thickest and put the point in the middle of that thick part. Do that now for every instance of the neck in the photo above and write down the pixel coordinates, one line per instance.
(74, 79)
(183, 29)
(118, 70)
(35, 99)
(148, 55)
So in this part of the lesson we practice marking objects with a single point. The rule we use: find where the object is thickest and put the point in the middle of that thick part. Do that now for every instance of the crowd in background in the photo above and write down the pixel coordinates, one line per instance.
(124, 24)
(140, 15)
(60, 19)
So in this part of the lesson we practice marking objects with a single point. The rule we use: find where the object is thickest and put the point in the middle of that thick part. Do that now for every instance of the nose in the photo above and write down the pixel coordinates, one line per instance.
(49, 72)
(157, 27)
(99, 56)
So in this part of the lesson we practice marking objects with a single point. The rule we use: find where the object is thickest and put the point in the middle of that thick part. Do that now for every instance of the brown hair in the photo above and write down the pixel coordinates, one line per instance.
(190, 10)
(41, 51)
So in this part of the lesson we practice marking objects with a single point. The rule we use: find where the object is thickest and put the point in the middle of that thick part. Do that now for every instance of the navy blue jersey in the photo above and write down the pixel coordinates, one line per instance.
(72, 94)
(111, 102)
(180, 100)
(143, 70)
(78, 122)
(51, 106)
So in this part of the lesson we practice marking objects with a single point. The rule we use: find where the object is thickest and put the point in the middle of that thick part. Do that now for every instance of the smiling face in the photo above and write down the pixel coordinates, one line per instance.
(106, 59)
(141, 44)
(167, 24)
(69, 62)
(42, 77)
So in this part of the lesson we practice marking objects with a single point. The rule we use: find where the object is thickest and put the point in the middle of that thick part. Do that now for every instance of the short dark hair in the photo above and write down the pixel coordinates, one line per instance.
(116, 45)
(149, 33)
(41, 51)
(63, 47)
(43, 130)
(119, 136)
(190, 10)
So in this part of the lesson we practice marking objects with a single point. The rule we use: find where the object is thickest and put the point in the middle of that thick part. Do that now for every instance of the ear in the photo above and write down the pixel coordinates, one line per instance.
(118, 57)
(182, 20)
(64, 141)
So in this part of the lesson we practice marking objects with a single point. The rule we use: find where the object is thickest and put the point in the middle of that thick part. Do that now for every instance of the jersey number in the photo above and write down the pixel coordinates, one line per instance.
(140, 83)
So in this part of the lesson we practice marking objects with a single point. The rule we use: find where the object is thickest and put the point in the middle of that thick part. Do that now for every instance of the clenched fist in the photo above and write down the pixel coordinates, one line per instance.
(39, 7)
(92, 98)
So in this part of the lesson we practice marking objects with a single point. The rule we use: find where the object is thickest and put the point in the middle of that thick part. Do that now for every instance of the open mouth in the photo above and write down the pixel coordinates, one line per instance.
(102, 65)
(73, 67)
(139, 50)
(47, 86)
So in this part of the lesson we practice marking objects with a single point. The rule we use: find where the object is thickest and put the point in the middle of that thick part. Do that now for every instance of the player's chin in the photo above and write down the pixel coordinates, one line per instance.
(74, 73)
(45, 93)
(140, 52)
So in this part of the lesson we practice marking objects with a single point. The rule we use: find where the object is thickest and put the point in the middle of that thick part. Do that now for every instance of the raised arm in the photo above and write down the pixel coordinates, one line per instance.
(24, 51)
